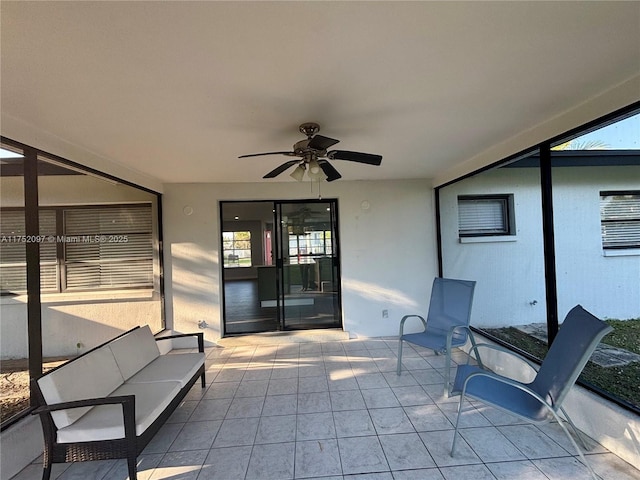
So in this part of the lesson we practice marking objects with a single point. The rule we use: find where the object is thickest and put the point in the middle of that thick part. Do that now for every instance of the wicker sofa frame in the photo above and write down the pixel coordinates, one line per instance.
(128, 447)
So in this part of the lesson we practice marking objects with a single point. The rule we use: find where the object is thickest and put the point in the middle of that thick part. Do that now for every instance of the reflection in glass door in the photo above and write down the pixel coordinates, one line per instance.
(307, 257)
(280, 266)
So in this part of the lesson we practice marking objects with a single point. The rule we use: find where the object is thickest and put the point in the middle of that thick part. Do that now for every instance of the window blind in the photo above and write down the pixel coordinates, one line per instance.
(620, 220)
(13, 262)
(482, 216)
(109, 247)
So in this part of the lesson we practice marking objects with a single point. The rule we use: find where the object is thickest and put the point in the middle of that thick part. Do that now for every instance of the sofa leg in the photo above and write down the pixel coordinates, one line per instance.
(202, 379)
(133, 468)
(46, 471)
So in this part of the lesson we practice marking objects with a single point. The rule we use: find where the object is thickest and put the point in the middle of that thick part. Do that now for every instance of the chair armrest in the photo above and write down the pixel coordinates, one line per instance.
(128, 403)
(447, 383)
(499, 378)
(199, 335)
(88, 402)
(474, 345)
(424, 323)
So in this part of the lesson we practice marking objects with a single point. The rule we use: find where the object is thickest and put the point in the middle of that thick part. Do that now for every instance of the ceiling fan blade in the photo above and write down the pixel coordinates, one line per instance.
(288, 154)
(277, 171)
(331, 173)
(359, 157)
(320, 142)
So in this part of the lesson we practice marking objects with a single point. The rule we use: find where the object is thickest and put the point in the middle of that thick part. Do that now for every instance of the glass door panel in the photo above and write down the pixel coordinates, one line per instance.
(249, 275)
(307, 256)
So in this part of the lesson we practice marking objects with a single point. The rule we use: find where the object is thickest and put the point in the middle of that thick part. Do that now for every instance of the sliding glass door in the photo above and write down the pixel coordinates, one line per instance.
(308, 266)
(280, 265)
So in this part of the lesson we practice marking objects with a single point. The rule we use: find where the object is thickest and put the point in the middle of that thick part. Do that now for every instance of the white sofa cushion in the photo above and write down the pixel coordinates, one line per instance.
(106, 422)
(93, 375)
(179, 367)
(134, 351)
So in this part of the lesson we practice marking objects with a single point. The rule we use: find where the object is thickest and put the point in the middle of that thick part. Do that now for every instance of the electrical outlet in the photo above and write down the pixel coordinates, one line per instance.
(385, 313)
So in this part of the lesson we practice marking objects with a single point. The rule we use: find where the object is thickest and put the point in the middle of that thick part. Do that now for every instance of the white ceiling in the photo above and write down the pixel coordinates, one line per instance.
(178, 90)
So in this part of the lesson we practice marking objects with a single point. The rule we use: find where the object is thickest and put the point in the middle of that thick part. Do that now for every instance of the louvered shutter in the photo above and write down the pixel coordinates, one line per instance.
(109, 247)
(482, 216)
(620, 221)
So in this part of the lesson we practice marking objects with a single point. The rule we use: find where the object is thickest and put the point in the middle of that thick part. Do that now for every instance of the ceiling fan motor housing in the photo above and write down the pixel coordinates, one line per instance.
(309, 129)
(302, 149)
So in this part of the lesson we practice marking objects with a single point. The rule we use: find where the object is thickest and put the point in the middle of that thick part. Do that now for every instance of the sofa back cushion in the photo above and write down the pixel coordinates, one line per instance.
(134, 351)
(91, 376)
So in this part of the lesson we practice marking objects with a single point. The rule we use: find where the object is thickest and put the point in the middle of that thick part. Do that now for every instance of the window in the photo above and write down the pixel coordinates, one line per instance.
(310, 243)
(620, 219)
(81, 248)
(485, 215)
(236, 249)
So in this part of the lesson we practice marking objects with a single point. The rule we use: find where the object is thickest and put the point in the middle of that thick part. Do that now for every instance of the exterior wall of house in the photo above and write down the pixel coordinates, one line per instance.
(501, 297)
(510, 274)
(607, 286)
(388, 251)
(75, 322)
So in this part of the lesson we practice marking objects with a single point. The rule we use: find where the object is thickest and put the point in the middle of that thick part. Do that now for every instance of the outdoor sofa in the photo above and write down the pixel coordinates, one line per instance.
(109, 402)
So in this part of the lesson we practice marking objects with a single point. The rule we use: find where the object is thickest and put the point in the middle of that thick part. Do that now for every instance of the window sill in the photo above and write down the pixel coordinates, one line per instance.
(488, 239)
(623, 252)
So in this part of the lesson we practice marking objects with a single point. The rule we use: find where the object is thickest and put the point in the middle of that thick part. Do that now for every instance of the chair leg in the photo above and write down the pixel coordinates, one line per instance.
(573, 442)
(455, 432)
(202, 378)
(447, 373)
(399, 367)
(583, 444)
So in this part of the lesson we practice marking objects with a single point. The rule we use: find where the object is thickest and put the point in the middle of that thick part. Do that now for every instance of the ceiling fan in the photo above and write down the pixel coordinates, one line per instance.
(315, 157)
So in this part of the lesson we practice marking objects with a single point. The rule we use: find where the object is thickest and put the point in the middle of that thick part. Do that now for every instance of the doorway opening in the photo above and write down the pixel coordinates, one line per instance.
(281, 267)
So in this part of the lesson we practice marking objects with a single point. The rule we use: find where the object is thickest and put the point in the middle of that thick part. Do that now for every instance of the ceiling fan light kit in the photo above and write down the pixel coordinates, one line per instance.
(315, 157)
(298, 173)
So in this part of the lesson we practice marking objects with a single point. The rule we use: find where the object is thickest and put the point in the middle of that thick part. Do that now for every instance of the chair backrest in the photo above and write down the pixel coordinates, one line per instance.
(576, 340)
(450, 305)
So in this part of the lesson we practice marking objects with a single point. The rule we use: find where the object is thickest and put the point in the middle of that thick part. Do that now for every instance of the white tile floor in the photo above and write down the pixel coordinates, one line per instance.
(338, 411)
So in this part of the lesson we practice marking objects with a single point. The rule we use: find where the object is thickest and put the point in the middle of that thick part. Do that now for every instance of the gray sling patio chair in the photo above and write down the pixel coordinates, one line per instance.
(447, 323)
(541, 399)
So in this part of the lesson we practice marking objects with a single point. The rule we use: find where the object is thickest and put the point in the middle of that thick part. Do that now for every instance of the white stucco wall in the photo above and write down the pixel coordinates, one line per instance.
(388, 251)
(72, 324)
(510, 274)
(607, 286)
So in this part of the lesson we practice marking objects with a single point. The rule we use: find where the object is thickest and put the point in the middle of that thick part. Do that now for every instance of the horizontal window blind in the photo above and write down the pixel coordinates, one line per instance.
(109, 247)
(620, 220)
(13, 262)
(482, 216)
(49, 272)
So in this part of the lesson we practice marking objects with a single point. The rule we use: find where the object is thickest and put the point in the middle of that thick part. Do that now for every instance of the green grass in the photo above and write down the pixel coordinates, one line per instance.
(621, 382)
(626, 334)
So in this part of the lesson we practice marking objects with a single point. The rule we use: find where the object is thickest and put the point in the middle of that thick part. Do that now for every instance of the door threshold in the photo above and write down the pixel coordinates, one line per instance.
(290, 336)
